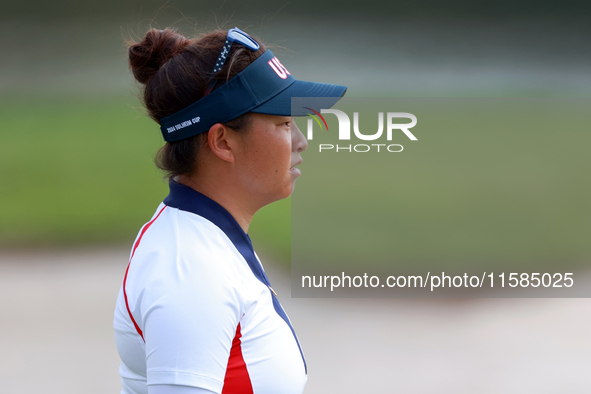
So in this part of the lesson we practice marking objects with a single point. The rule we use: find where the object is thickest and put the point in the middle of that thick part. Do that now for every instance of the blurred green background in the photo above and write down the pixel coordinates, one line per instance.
(491, 184)
(76, 153)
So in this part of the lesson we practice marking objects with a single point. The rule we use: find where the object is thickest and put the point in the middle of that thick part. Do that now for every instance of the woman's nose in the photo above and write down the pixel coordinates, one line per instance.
(298, 141)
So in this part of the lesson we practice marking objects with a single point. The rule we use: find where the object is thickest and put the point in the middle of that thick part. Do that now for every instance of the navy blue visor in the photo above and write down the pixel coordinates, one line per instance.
(264, 87)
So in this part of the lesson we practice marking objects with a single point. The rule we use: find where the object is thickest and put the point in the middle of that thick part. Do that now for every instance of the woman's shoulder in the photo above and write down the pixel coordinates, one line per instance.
(180, 241)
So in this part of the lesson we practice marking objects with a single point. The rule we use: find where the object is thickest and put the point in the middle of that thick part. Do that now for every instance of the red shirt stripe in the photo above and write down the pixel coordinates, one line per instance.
(237, 380)
(137, 243)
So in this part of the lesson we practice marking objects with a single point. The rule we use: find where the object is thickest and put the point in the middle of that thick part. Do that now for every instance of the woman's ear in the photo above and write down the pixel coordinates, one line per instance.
(222, 141)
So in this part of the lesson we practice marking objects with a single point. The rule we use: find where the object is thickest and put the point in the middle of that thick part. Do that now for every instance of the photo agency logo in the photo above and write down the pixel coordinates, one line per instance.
(383, 143)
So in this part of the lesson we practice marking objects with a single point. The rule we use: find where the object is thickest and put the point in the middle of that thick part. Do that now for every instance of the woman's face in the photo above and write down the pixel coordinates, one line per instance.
(271, 150)
(298, 145)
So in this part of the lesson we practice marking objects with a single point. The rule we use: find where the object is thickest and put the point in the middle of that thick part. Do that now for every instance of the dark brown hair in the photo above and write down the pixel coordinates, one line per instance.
(175, 71)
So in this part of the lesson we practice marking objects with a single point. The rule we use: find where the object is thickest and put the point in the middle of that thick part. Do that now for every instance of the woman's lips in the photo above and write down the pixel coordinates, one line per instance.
(296, 171)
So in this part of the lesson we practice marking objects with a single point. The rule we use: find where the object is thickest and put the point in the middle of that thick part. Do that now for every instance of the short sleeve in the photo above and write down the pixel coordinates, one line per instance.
(190, 320)
(174, 389)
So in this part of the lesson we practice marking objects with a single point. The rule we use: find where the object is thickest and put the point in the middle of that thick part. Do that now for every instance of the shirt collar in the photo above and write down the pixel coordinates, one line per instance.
(188, 199)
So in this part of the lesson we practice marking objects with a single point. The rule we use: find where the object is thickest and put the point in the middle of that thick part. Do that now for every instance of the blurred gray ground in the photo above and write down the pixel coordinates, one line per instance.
(56, 335)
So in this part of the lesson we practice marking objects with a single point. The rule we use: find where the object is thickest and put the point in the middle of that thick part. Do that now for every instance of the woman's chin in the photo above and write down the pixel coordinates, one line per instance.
(293, 182)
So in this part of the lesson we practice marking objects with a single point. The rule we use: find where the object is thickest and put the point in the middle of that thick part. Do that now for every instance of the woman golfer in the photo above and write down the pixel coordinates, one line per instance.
(196, 312)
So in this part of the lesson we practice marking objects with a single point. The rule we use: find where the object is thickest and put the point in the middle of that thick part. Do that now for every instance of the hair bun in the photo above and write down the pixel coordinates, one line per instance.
(157, 47)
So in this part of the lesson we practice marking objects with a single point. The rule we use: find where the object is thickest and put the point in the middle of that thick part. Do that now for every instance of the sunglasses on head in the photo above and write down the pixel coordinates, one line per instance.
(234, 35)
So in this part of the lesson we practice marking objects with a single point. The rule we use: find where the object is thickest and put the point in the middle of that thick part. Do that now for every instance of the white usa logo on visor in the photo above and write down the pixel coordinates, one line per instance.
(279, 68)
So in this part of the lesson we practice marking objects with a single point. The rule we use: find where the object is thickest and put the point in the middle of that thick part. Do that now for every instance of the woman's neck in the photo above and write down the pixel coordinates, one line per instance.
(224, 194)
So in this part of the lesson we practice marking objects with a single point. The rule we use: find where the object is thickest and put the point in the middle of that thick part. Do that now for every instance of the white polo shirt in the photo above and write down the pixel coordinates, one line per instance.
(196, 308)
